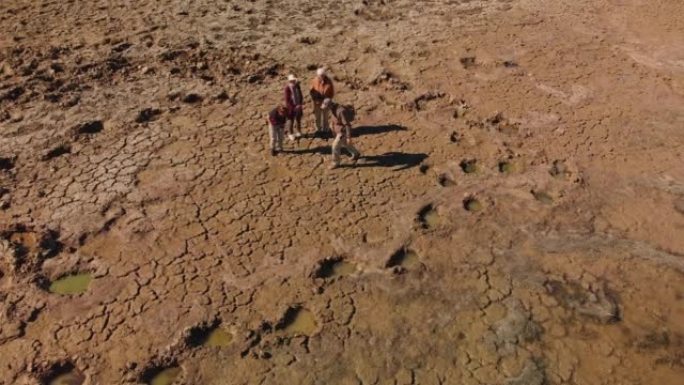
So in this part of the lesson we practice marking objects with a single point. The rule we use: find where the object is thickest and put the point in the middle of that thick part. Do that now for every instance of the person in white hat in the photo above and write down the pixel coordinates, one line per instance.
(321, 88)
(294, 101)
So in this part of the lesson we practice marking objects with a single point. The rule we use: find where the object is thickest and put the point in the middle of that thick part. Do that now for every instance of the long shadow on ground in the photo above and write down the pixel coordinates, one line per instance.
(324, 150)
(374, 130)
(401, 160)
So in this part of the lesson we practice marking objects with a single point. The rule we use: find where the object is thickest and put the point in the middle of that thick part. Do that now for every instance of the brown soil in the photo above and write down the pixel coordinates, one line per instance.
(133, 148)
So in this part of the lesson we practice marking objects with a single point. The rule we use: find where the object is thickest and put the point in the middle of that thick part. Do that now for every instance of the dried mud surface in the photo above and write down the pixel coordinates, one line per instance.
(518, 218)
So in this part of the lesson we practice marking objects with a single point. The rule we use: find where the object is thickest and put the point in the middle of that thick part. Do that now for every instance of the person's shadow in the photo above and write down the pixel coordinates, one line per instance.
(375, 130)
(323, 150)
(401, 160)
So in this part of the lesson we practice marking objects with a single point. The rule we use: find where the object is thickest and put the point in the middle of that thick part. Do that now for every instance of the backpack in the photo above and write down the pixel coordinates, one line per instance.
(348, 112)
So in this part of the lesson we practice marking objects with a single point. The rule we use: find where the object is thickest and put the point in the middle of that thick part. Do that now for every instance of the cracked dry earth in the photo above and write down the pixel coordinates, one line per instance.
(518, 218)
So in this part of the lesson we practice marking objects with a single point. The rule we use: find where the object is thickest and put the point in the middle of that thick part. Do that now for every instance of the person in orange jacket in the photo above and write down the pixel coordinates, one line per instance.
(321, 88)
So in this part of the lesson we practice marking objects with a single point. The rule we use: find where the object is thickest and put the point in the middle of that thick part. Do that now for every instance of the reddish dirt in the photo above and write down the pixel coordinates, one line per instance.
(517, 218)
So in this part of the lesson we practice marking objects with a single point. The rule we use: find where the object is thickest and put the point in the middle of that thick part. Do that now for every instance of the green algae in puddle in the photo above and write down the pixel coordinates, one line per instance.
(299, 321)
(218, 338)
(336, 268)
(71, 284)
(67, 379)
(506, 167)
(405, 258)
(166, 376)
(472, 204)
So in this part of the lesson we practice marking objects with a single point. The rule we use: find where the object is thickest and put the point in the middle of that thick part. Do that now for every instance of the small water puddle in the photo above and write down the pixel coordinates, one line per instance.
(218, 338)
(166, 376)
(71, 284)
(299, 321)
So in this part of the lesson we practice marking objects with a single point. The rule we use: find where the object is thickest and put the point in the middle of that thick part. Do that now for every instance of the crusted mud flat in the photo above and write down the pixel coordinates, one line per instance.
(518, 217)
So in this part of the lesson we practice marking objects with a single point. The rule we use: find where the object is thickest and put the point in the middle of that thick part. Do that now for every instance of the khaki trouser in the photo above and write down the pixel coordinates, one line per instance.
(276, 134)
(321, 116)
(339, 143)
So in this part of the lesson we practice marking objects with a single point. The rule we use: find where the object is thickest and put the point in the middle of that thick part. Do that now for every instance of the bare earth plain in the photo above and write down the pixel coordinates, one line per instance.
(518, 217)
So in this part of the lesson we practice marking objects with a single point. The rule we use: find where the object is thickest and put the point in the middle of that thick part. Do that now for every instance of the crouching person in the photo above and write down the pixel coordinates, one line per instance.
(343, 116)
(276, 128)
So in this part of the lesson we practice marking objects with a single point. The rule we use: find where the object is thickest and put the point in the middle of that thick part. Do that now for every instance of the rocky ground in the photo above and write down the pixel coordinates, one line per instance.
(518, 217)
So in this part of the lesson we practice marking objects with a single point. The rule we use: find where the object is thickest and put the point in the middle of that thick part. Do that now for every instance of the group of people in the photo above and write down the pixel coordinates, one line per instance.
(287, 117)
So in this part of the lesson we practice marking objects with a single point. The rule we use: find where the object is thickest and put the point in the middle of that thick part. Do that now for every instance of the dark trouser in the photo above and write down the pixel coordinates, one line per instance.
(321, 116)
(294, 124)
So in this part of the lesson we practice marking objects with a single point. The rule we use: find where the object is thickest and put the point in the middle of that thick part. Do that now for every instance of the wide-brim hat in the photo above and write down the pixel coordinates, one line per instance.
(291, 78)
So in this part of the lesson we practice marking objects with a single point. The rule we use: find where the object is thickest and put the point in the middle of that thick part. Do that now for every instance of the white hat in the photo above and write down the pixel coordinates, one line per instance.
(320, 71)
(291, 78)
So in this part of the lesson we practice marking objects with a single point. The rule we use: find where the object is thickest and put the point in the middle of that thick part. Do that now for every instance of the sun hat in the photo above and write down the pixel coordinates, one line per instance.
(291, 78)
(320, 71)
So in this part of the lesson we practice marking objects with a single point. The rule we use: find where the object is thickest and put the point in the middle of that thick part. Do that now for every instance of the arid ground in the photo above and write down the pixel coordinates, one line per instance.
(517, 217)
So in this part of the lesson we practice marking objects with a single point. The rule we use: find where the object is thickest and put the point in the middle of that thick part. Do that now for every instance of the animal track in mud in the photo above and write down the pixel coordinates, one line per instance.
(162, 375)
(6, 163)
(71, 284)
(472, 204)
(147, 115)
(423, 168)
(445, 180)
(62, 373)
(461, 108)
(298, 321)
(559, 169)
(212, 335)
(308, 40)
(597, 303)
(455, 137)
(508, 64)
(505, 167)
(405, 258)
(191, 98)
(337, 267)
(29, 248)
(501, 124)
(542, 196)
(89, 128)
(468, 166)
(428, 217)
(468, 62)
(419, 102)
(55, 152)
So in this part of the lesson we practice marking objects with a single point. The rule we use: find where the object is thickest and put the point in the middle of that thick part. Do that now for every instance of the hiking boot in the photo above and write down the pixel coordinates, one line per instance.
(333, 166)
(355, 158)
(291, 137)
